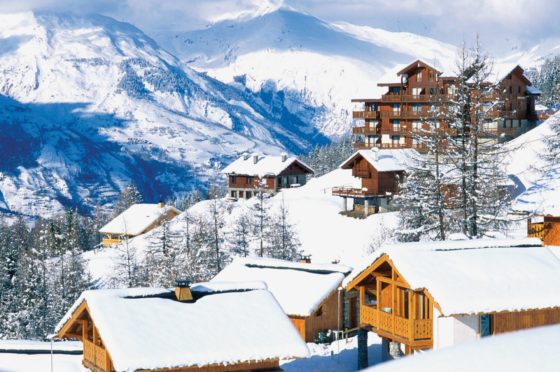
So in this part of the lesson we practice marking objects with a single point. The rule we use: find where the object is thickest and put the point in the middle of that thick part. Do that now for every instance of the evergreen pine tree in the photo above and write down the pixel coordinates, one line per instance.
(127, 197)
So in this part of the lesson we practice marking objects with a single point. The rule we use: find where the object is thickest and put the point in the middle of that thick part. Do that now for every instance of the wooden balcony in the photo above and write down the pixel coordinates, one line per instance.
(352, 192)
(412, 98)
(411, 331)
(535, 230)
(110, 241)
(365, 114)
(366, 130)
(96, 358)
(408, 114)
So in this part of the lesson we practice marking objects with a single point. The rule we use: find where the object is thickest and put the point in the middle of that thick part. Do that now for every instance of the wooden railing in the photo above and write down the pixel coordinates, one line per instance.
(366, 130)
(365, 114)
(410, 329)
(535, 230)
(95, 356)
(412, 98)
(110, 241)
(350, 192)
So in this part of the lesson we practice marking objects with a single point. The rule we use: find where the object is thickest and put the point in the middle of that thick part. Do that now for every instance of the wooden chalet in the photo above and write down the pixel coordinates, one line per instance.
(380, 172)
(157, 329)
(392, 120)
(420, 296)
(308, 293)
(138, 219)
(249, 174)
(546, 228)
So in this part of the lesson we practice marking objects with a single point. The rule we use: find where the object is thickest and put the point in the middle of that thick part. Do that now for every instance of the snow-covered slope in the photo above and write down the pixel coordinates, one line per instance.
(324, 234)
(313, 62)
(88, 104)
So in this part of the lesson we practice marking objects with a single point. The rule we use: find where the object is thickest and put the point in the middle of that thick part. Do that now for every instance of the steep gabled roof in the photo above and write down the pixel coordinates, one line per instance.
(299, 287)
(416, 64)
(229, 323)
(265, 166)
(386, 160)
(476, 276)
(137, 218)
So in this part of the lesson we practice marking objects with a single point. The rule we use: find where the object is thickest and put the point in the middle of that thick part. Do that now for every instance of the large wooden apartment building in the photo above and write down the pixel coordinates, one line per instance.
(392, 120)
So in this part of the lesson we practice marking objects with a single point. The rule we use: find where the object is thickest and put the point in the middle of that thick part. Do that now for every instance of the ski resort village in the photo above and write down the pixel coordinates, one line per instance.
(268, 185)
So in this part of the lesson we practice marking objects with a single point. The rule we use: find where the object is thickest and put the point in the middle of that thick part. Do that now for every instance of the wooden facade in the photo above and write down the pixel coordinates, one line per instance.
(392, 120)
(327, 316)
(377, 188)
(97, 358)
(110, 239)
(245, 186)
(399, 313)
(548, 230)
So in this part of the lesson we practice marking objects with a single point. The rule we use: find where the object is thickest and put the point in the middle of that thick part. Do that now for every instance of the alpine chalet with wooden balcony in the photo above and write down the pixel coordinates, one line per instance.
(380, 172)
(426, 295)
(406, 108)
(249, 174)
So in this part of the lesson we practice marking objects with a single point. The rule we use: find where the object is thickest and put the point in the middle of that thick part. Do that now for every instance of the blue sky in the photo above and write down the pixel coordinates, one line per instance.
(502, 24)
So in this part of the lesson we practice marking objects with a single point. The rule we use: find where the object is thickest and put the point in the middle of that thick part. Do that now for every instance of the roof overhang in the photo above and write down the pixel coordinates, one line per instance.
(416, 64)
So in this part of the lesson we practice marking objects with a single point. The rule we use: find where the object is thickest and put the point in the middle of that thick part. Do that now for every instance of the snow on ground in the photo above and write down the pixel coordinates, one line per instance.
(27, 356)
(534, 350)
(340, 356)
(39, 346)
(41, 363)
(525, 160)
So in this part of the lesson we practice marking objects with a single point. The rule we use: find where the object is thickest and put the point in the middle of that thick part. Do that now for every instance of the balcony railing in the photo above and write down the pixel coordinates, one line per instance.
(365, 114)
(351, 192)
(409, 329)
(95, 357)
(366, 130)
(412, 97)
(536, 230)
(408, 114)
(110, 241)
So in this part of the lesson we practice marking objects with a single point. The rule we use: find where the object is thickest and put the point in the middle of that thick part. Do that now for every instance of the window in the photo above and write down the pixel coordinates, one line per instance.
(248, 194)
(416, 125)
(395, 140)
(240, 194)
(249, 180)
(416, 91)
(396, 124)
(396, 107)
(486, 325)
(432, 91)
(232, 179)
(233, 194)
(419, 76)
(431, 75)
(416, 107)
(395, 90)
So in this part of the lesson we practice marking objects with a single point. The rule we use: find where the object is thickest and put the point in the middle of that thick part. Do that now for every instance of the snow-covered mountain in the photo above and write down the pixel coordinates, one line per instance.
(313, 62)
(88, 104)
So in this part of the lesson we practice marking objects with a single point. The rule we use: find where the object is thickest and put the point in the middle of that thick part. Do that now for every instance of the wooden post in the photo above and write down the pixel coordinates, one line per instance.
(378, 306)
(411, 314)
(84, 330)
(107, 362)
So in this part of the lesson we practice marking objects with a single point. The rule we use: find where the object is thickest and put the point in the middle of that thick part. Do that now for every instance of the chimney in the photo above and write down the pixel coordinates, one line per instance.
(245, 156)
(305, 259)
(284, 157)
(255, 158)
(160, 204)
(183, 290)
(375, 151)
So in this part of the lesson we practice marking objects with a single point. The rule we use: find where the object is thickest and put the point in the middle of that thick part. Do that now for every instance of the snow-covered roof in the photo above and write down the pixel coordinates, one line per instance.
(146, 328)
(386, 160)
(137, 218)
(478, 276)
(267, 165)
(543, 197)
(299, 287)
(528, 350)
(533, 90)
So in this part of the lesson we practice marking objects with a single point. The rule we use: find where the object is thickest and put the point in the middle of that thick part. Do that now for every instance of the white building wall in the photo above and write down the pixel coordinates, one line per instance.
(449, 331)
